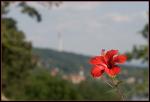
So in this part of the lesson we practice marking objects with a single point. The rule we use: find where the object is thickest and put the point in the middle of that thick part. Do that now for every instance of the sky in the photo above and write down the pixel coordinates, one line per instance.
(86, 27)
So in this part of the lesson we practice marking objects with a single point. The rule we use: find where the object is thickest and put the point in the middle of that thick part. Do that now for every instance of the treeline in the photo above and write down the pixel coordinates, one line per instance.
(39, 85)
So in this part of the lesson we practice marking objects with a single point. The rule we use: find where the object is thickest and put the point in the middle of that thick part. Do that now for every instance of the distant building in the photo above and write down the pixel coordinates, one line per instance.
(131, 80)
(65, 77)
(81, 72)
(54, 71)
(75, 78)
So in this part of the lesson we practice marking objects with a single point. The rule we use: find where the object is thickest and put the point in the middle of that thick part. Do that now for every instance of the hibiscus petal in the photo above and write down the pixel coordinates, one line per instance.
(113, 71)
(97, 71)
(97, 60)
(119, 59)
(110, 54)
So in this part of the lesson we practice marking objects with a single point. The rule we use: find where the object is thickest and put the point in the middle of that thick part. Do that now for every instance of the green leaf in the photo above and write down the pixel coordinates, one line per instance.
(32, 12)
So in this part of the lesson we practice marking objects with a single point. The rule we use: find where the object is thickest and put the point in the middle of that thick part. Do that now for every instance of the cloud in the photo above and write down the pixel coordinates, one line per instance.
(119, 17)
(88, 25)
(128, 17)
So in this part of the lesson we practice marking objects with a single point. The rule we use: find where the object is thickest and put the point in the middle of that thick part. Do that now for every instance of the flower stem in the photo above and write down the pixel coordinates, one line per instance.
(120, 93)
(118, 89)
(113, 84)
(107, 82)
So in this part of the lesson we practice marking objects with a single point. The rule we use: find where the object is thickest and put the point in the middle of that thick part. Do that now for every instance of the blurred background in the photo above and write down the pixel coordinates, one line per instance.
(46, 47)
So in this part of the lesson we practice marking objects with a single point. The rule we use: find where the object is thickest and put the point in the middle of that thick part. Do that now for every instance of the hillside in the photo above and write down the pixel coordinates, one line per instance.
(67, 62)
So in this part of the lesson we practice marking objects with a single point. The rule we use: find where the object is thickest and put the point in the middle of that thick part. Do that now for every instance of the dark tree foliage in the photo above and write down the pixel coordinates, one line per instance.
(140, 52)
(16, 53)
(17, 57)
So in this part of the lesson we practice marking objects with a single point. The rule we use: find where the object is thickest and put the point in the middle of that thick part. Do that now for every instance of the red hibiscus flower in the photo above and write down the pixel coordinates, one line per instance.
(106, 62)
